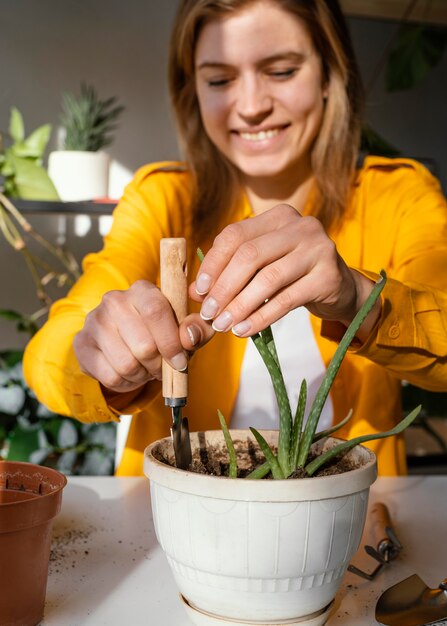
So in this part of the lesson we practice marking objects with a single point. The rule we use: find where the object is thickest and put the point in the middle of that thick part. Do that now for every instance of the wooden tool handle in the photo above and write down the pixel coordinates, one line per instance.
(380, 520)
(174, 286)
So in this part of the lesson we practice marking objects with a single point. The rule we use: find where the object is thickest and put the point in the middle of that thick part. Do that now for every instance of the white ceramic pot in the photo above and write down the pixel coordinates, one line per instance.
(258, 552)
(79, 175)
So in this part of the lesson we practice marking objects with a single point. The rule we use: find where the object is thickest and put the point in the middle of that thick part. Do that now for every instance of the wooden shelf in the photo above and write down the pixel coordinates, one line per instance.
(48, 207)
(434, 12)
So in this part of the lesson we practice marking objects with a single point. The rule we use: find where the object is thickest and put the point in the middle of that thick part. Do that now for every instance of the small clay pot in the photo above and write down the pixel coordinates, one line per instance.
(30, 498)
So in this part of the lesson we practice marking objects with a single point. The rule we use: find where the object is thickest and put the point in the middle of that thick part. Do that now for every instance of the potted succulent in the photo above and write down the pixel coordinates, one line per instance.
(248, 550)
(80, 171)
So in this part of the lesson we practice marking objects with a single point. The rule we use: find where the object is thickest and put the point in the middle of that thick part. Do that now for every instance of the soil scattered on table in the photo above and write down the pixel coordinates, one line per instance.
(66, 546)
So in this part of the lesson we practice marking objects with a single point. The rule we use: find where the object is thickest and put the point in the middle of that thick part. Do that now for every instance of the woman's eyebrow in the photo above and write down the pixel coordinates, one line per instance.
(295, 57)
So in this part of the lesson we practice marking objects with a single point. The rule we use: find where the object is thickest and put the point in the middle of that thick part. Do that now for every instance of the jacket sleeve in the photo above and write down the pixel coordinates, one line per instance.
(410, 339)
(150, 209)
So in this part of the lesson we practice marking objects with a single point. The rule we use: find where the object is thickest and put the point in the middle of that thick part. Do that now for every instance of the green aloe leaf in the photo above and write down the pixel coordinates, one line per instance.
(260, 472)
(330, 431)
(275, 467)
(331, 372)
(267, 336)
(344, 447)
(298, 425)
(230, 445)
(285, 414)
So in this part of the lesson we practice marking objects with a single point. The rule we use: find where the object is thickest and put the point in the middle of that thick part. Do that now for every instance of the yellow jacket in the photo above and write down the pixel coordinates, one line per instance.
(397, 220)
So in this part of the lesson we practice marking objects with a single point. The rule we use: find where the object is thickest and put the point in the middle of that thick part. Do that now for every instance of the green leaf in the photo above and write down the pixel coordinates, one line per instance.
(37, 141)
(344, 447)
(330, 431)
(275, 467)
(298, 426)
(285, 413)
(9, 314)
(333, 367)
(373, 143)
(34, 146)
(259, 472)
(16, 125)
(229, 444)
(418, 49)
(9, 358)
(32, 181)
(22, 443)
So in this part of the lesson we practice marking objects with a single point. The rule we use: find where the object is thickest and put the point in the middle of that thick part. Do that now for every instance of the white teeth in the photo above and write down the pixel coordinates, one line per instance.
(263, 134)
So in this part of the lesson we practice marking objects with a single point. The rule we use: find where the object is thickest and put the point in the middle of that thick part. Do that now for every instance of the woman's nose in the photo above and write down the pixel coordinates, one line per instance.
(254, 103)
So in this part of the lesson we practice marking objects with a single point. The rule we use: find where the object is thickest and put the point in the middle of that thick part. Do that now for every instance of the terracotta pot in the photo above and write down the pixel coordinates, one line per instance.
(257, 551)
(30, 498)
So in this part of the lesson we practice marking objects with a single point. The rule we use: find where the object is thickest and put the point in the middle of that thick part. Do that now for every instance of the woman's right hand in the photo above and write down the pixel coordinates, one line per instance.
(126, 336)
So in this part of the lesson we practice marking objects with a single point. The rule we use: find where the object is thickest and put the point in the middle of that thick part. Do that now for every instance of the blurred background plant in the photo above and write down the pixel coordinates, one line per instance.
(28, 430)
(21, 161)
(411, 53)
(87, 121)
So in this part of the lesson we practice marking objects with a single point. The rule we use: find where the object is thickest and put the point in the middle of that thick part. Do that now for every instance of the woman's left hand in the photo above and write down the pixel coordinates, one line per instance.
(261, 268)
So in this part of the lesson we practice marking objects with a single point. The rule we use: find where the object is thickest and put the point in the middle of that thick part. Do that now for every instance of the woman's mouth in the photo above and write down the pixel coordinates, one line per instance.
(260, 135)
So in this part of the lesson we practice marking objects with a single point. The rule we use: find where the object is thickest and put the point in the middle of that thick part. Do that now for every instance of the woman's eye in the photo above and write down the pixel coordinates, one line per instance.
(218, 82)
(283, 74)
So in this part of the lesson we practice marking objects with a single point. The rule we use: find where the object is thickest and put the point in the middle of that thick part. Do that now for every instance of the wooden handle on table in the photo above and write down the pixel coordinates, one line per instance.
(380, 520)
(173, 283)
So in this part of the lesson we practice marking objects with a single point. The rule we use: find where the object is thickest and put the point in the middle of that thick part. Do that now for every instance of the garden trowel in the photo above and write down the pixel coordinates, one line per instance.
(173, 283)
(412, 603)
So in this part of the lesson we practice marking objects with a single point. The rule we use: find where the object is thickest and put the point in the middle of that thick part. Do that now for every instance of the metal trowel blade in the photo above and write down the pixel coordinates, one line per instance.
(181, 443)
(411, 603)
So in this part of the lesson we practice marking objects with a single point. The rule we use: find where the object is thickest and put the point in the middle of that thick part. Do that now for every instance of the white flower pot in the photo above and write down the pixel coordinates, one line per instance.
(79, 175)
(258, 552)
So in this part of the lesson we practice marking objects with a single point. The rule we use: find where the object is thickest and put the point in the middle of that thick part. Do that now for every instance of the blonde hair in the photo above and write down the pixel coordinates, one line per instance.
(335, 150)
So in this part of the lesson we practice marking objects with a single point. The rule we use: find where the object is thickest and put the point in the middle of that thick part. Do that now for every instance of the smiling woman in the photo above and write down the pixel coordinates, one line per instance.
(262, 105)
(295, 227)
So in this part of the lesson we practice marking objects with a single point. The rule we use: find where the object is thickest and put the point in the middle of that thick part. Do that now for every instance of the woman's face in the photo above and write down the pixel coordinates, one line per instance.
(260, 88)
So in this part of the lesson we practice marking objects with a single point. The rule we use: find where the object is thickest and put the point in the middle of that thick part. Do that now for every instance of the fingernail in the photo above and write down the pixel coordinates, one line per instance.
(242, 328)
(179, 362)
(194, 334)
(209, 309)
(223, 322)
(203, 283)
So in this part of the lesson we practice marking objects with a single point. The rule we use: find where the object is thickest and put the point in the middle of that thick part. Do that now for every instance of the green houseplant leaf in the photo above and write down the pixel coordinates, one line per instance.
(21, 162)
(34, 145)
(418, 50)
(31, 181)
(16, 125)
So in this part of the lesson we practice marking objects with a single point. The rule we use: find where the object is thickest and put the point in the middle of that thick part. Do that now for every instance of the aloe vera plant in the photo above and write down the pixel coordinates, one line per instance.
(294, 439)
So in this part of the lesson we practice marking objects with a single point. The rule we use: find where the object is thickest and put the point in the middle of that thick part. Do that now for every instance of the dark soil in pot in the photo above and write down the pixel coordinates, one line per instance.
(213, 461)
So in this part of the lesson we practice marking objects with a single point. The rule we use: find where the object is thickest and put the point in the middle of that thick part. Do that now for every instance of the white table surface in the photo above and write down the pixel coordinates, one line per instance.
(108, 570)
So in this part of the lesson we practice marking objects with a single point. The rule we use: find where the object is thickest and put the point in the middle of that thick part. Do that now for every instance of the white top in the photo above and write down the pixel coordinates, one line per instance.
(300, 358)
